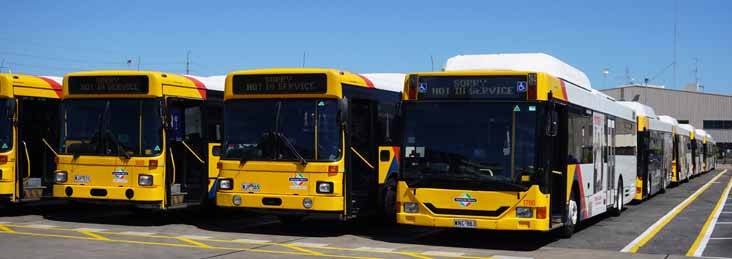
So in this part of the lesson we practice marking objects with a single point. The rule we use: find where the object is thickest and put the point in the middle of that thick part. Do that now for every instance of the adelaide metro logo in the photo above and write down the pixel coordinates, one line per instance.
(465, 200)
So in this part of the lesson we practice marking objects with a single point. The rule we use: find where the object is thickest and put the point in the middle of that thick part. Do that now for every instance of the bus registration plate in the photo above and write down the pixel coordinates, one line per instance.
(464, 223)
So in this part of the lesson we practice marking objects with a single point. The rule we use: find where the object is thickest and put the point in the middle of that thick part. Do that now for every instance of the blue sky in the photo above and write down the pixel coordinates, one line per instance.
(57, 37)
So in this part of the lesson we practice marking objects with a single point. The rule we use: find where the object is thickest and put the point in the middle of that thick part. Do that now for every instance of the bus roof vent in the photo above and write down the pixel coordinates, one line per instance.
(535, 62)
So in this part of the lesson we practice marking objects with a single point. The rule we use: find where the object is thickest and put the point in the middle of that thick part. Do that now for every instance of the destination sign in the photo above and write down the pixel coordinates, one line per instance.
(108, 84)
(472, 87)
(280, 84)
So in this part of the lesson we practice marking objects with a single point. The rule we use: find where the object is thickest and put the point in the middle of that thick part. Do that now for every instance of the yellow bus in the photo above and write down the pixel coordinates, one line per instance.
(308, 142)
(512, 142)
(137, 138)
(28, 128)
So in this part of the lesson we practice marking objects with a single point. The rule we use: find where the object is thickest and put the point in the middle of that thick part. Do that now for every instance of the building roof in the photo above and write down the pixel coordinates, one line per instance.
(666, 89)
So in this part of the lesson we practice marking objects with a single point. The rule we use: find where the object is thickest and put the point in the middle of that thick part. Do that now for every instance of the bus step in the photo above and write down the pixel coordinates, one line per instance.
(556, 219)
(32, 193)
(177, 199)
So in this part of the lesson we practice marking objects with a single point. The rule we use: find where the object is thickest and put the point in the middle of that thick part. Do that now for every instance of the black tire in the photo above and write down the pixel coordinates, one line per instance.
(663, 185)
(573, 210)
(615, 212)
(388, 202)
(290, 220)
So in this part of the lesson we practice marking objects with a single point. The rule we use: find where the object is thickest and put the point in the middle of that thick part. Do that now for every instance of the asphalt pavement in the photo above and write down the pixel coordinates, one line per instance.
(669, 225)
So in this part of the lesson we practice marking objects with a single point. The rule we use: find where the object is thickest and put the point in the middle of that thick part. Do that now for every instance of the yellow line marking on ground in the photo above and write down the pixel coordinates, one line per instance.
(92, 234)
(188, 245)
(196, 243)
(415, 255)
(649, 233)
(303, 249)
(697, 248)
(300, 249)
(6, 229)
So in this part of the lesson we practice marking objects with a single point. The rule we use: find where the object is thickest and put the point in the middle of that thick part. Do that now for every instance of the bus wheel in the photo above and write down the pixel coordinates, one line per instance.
(572, 216)
(290, 219)
(618, 200)
(663, 186)
(388, 210)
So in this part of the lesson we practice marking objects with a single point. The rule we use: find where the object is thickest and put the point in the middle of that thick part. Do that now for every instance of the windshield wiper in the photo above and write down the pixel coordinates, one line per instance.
(119, 147)
(291, 147)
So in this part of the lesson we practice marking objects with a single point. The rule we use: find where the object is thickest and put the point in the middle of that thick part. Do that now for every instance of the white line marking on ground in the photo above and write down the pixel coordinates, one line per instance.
(703, 244)
(90, 229)
(382, 249)
(308, 244)
(720, 238)
(443, 253)
(726, 212)
(668, 215)
(243, 240)
(509, 257)
(41, 226)
(138, 233)
(194, 237)
(5, 222)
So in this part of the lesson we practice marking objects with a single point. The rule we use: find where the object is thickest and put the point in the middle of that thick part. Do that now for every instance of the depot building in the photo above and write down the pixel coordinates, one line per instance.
(708, 111)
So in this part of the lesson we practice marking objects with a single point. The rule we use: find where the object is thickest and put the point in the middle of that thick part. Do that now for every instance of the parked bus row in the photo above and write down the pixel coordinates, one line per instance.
(506, 142)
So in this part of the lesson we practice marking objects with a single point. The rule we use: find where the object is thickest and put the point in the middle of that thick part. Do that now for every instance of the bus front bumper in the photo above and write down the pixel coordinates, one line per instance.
(293, 203)
(529, 224)
(131, 194)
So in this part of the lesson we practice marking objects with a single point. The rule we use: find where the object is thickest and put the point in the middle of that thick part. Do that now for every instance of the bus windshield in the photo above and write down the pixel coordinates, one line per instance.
(112, 127)
(283, 129)
(6, 126)
(470, 145)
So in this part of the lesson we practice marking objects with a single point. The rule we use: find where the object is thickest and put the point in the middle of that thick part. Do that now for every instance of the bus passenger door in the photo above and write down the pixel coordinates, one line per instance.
(555, 147)
(37, 134)
(610, 153)
(363, 172)
(187, 177)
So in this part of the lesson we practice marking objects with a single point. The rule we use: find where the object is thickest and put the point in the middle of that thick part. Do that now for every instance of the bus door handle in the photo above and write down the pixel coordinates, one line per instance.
(27, 159)
(49, 146)
(362, 158)
(193, 152)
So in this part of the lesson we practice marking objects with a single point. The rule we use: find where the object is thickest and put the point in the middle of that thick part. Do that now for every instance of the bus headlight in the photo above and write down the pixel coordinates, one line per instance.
(145, 180)
(524, 212)
(325, 187)
(411, 207)
(226, 184)
(61, 176)
(307, 203)
(236, 200)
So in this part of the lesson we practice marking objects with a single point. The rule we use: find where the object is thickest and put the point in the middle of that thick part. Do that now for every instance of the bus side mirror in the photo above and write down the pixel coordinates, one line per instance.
(552, 123)
(343, 112)
(10, 108)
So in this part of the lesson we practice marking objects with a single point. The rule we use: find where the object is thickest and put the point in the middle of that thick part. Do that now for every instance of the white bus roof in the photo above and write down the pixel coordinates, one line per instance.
(641, 109)
(387, 81)
(212, 82)
(669, 119)
(687, 127)
(700, 132)
(538, 62)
